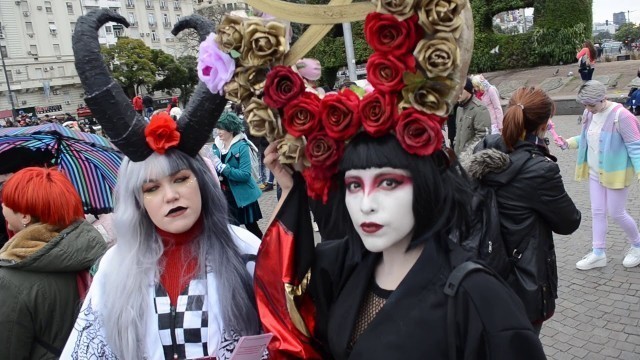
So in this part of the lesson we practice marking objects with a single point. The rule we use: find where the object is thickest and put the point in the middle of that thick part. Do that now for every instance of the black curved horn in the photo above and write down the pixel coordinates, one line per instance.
(105, 97)
(204, 108)
(202, 25)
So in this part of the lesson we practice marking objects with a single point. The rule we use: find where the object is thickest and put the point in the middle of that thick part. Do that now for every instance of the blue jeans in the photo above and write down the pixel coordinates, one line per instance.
(265, 175)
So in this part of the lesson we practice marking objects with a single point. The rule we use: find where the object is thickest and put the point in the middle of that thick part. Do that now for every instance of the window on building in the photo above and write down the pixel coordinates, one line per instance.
(154, 36)
(70, 8)
(163, 4)
(108, 29)
(73, 27)
(165, 18)
(132, 18)
(9, 72)
(3, 51)
(56, 49)
(33, 49)
(151, 18)
(178, 17)
(131, 3)
(39, 73)
(176, 4)
(47, 6)
(148, 4)
(61, 71)
(29, 27)
(52, 28)
(229, 6)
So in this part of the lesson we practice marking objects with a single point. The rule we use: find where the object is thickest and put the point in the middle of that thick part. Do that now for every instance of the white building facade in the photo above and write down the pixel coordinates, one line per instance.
(35, 43)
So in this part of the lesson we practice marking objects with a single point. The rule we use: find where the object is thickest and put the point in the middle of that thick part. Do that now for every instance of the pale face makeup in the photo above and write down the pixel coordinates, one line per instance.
(14, 219)
(380, 204)
(173, 202)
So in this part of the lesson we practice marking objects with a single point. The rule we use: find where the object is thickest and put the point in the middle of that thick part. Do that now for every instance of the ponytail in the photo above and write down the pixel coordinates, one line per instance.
(513, 125)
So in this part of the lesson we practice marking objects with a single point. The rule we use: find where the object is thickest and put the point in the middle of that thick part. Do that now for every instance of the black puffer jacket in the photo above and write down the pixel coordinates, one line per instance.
(533, 204)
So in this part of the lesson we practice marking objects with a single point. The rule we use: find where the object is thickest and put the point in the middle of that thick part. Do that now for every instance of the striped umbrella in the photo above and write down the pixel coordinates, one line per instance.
(90, 161)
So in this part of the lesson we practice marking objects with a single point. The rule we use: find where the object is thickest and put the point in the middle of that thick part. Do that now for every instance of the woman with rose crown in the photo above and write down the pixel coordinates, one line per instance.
(177, 285)
(378, 293)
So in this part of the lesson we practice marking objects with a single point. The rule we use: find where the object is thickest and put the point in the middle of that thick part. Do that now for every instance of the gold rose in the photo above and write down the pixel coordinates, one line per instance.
(441, 16)
(439, 56)
(401, 9)
(252, 77)
(263, 44)
(291, 150)
(263, 122)
(427, 95)
(237, 92)
(230, 34)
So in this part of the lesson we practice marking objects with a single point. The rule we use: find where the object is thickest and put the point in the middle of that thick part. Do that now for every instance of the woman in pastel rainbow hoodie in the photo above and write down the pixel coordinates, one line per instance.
(609, 157)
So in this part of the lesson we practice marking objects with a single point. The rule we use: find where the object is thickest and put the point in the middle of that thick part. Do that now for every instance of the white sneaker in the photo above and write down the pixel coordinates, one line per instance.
(632, 258)
(592, 260)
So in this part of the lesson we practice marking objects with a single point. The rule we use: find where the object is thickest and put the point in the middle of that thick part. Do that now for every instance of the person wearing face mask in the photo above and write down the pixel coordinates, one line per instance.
(609, 158)
(41, 262)
(531, 199)
(473, 122)
(177, 285)
(232, 162)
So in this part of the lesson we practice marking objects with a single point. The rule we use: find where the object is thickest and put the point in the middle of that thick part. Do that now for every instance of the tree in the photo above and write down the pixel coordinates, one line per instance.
(131, 63)
(627, 31)
(181, 74)
(601, 36)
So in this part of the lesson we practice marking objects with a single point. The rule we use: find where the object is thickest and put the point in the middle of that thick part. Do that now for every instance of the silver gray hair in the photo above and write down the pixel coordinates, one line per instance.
(592, 92)
(139, 250)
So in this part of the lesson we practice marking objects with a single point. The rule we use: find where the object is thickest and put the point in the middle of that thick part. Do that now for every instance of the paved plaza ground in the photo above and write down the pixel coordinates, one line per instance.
(598, 311)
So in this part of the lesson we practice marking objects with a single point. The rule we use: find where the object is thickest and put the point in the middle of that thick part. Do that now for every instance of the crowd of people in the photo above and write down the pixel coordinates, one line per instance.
(407, 267)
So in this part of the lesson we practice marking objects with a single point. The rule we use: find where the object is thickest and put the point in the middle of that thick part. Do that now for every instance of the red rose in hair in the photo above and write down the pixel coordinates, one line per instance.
(378, 113)
(282, 86)
(419, 133)
(339, 114)
(302, 115)
(323, 151)
(384, 72)
(162, 133)
(318, 184)
(386, 34)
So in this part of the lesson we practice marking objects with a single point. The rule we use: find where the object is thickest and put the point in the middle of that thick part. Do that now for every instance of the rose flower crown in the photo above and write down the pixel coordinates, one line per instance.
(415, 71)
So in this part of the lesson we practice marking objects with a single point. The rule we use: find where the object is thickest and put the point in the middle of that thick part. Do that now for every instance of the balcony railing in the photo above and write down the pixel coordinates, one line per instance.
(167, 25)
(130, 5)
(148, 5)
(152, 25)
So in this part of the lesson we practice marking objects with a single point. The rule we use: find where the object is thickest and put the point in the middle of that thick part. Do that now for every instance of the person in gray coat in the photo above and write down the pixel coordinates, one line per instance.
(473, 122)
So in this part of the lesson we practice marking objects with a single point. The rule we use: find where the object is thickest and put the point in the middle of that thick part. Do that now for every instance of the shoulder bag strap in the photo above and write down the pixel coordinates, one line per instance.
(451, 289)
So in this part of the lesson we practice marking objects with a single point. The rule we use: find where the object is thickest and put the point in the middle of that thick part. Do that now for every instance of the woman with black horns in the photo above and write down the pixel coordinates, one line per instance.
(177, 285)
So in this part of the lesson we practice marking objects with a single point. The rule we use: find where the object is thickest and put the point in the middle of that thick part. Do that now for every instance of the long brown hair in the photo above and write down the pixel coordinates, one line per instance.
(592, 50)
(528, 109)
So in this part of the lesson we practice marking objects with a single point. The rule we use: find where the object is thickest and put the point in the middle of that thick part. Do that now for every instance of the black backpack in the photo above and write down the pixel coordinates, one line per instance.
(484, 242)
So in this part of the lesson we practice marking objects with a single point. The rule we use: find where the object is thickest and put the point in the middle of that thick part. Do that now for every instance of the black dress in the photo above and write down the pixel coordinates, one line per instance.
(412, 322)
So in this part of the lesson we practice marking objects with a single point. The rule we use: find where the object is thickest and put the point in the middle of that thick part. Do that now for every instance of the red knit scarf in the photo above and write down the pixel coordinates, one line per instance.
(179, 262)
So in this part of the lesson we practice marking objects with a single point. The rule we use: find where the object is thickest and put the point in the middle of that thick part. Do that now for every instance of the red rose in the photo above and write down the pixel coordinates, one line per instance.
(339, 114)
(302, 115)
(378, 113)
(384, 72)
(323, 151)
(282, 86)
(318, 184)
(419, 133)
(162, 133)
(386, 34)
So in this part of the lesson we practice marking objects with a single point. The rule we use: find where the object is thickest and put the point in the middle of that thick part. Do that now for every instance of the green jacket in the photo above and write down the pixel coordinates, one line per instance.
(473, 123)
(238, 172)
(39, 299)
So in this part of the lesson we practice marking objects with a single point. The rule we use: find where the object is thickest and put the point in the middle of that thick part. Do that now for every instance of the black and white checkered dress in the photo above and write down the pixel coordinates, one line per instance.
(189, 320)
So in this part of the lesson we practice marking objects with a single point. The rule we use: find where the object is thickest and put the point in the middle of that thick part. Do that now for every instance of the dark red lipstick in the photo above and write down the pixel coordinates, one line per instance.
(370, 228)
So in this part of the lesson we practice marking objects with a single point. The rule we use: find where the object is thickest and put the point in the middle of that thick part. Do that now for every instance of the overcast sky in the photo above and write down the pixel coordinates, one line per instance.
(604, 9)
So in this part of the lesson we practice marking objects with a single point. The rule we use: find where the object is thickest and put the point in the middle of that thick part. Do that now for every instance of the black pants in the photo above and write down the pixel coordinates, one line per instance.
(586, 73)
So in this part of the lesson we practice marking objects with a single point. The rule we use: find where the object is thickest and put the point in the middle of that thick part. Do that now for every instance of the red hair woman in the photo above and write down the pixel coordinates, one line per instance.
(40, 263)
